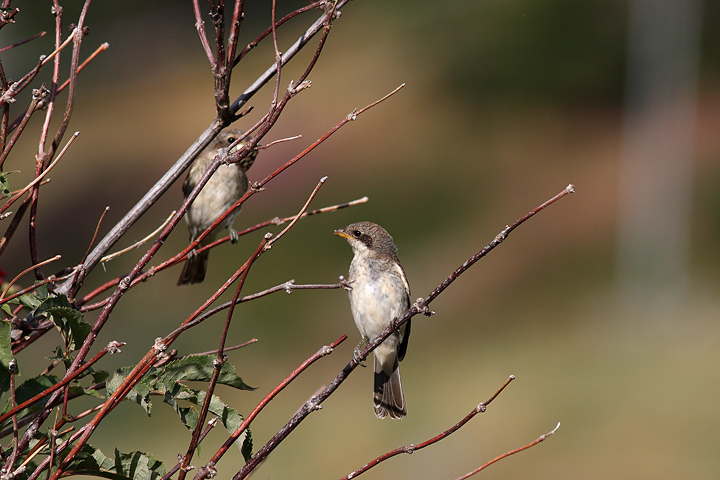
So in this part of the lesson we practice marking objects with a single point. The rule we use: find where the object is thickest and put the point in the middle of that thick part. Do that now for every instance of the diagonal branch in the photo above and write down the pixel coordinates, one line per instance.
(409, 449)
(421, 306)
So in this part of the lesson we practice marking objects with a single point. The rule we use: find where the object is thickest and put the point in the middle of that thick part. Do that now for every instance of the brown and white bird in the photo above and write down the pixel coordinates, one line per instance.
(227, 185)
(379, 293)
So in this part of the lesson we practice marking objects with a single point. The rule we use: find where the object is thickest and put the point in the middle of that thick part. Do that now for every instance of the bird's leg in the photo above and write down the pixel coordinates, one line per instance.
(192, 255)
(356, 353)
(233, 236)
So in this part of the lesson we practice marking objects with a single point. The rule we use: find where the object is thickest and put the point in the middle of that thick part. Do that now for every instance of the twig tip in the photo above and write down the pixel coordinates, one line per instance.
(570, 188)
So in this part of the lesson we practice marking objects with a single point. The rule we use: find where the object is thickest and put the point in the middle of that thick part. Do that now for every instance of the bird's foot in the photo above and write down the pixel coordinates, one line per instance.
(233, 236)
(356, 352)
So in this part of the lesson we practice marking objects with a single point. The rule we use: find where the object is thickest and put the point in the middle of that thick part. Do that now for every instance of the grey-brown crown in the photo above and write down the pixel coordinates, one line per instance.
(372, 235)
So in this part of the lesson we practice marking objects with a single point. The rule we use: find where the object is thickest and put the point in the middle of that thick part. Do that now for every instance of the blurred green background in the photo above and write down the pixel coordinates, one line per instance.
(604, 306)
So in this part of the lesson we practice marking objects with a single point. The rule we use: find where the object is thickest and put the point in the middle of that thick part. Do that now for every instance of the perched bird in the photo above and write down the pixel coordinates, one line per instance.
(224, 188)
(379, 293)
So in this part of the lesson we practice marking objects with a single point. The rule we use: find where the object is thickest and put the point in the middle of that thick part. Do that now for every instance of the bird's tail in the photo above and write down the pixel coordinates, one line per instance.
(388, 394)
(195, 268)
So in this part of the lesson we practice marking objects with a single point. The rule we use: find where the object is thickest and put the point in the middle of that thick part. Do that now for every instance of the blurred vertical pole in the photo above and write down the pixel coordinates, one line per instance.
(657, 169)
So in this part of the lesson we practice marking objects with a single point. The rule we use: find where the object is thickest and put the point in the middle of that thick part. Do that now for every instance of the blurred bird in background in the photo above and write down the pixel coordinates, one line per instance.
(379, 293)
(227, 185)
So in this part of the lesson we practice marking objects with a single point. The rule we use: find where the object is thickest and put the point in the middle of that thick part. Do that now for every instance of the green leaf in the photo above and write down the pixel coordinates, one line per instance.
(4, 185)
(165, 381)
(139, 394)
(123, 466)
(68, 320)
(26, 391)
(5, 355)
(200, 368)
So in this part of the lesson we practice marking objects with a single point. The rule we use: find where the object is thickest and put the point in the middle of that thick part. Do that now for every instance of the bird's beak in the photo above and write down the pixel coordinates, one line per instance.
(341, 233)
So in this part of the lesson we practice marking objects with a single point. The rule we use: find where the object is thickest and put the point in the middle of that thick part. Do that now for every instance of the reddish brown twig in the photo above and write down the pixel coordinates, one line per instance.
(413, 448)
(511, 452)
(112, 347)
(145, 364)
(217, 366)
(421, 306)
(326, 350)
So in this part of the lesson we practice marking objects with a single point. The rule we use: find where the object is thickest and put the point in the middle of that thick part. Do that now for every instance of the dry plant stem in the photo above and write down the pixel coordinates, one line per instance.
(97, 229)
(111, 347)
(412, 448)
(420, 307)
(325, 350)
(267, 32)
(17, 277)
(511, 452)
(107, 258)
(144, 365)
(296, 218)
(70, 287)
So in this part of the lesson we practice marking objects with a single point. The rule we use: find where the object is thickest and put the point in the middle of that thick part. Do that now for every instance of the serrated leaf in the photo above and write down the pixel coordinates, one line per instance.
(123, 466)
(140, 393)
(200, 368)
(247, 445)
(68, 320)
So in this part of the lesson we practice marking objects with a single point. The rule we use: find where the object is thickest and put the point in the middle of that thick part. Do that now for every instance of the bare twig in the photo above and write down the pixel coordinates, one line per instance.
(39, 177)
(107, 258)
(511, 452)
(298, 216)
(421, 306)
(413, 448)
(184, 161)
(16, 44)
(17, 277)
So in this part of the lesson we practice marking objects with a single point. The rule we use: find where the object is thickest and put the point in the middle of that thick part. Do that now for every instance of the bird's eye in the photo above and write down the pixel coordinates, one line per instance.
(357, 233)
(230, 140)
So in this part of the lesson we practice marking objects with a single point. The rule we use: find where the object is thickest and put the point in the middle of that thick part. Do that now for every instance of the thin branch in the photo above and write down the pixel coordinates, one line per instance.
(421, 306)
(39, 177)
(413, 448)
(298, 216)
(29, 289)
(97, 229)
(107, 258)
(200, 26)
(325, 350)
(17, 277)
(217, 366)
(184, 161)
(17, 44)
(112, 347)
(511, 452)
